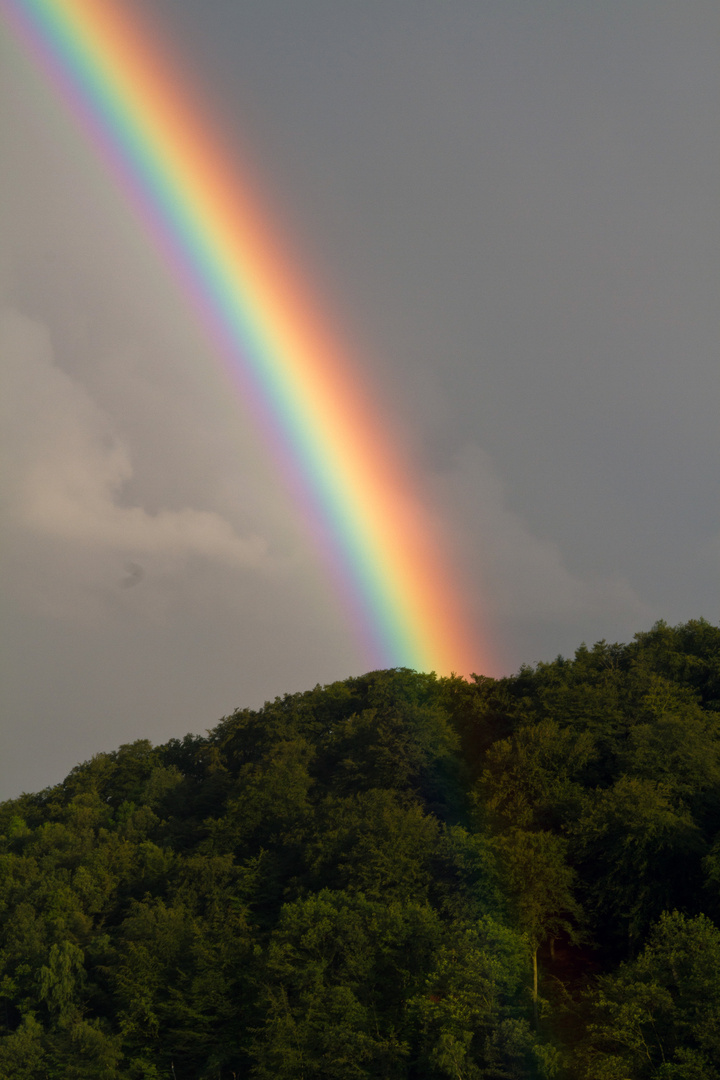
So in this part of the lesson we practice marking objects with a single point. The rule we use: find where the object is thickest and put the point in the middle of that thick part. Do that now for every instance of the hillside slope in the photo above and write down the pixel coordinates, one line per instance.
(391, 876)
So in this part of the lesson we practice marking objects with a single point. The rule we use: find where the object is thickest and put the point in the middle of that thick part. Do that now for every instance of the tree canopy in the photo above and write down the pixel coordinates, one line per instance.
(396, 875)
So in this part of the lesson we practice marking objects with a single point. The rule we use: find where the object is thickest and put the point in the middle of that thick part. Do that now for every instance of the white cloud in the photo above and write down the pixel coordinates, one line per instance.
(66, 468)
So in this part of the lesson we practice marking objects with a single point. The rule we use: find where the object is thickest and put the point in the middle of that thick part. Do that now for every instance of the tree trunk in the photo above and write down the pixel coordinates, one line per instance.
(535, 986)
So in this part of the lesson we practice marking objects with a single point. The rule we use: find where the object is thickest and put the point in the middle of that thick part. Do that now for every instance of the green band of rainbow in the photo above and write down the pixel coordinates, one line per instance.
(378, 541)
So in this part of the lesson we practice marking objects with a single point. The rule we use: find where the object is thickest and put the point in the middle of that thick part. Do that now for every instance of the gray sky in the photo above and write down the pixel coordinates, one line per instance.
(511, 207)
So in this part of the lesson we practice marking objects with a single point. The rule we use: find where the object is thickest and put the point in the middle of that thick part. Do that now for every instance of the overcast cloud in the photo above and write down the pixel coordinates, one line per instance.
(511, 210)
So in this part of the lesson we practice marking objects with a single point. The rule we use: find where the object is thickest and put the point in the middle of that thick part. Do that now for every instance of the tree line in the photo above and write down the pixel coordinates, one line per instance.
(396, 875)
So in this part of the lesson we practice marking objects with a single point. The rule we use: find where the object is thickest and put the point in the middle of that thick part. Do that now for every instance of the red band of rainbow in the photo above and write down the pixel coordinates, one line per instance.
(368, 521)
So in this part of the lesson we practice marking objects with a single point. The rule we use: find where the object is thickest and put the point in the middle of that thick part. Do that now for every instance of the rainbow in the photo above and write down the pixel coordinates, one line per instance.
(379, 543)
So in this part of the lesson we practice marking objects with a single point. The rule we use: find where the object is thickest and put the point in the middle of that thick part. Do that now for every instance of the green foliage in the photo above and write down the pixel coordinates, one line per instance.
(393, 876)
(22, 1052)
(659, 1015)
(639, 851)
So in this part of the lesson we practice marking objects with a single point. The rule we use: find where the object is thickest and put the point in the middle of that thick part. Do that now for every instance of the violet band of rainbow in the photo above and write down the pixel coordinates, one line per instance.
(356, 493)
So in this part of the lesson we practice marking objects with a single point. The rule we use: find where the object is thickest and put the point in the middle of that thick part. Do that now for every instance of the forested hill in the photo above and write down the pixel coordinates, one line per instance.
(393, 876)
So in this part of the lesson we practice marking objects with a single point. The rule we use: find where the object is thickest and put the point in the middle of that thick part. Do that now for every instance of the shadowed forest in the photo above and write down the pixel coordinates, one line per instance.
(394, 876)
